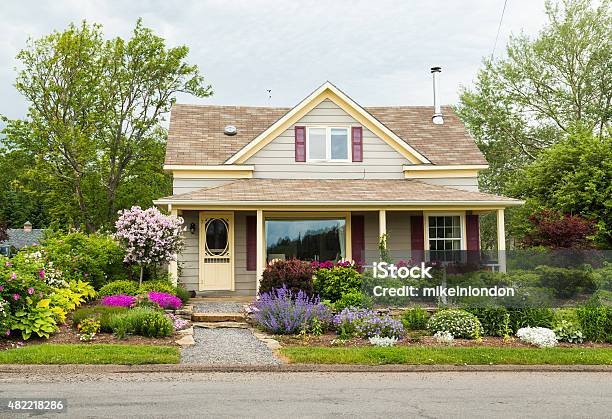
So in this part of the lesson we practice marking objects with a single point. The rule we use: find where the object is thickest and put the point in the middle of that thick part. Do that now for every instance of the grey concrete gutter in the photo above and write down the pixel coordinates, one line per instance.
(289, 368)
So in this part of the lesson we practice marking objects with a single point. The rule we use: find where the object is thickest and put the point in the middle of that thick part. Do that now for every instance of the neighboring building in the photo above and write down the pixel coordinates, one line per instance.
(323, 180)
(18, 238)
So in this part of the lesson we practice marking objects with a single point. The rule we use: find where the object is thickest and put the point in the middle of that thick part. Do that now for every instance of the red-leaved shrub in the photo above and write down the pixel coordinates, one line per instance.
(294, 274)
(559, 231)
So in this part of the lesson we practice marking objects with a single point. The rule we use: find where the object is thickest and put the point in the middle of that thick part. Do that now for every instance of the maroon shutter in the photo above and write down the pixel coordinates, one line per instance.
(358, 238)
(300, 143)
(417, 241)
(251, 242)
(472, 232)
(357, 142)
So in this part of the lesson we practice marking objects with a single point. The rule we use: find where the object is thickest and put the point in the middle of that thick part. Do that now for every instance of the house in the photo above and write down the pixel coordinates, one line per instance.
(18, 238)
(323, 180)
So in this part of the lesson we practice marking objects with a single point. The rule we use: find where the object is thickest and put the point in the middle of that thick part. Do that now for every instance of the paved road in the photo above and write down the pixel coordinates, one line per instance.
(287, 395)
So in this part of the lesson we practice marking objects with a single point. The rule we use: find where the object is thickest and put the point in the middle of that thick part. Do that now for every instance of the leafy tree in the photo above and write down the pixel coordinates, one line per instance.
(573, 176)
(554, 230)
(3, 233)
(93, 120)
(525, 102)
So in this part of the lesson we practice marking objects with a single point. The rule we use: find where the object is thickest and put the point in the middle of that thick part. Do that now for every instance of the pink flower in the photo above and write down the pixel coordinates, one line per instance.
(14, 276)
(41, 274)
(16, 297)
(8, 264)
(30, 290)
(8, 332)
(1, 287)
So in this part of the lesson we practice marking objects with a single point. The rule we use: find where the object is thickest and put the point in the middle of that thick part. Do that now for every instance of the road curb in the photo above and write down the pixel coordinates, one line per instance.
(290, 368)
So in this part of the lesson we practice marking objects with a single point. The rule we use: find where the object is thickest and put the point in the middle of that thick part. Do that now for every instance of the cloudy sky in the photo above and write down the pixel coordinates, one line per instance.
(379, 52)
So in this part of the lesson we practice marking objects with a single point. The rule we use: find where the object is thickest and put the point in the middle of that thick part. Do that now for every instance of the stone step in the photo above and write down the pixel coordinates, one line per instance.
(221, 325)
(217, 317)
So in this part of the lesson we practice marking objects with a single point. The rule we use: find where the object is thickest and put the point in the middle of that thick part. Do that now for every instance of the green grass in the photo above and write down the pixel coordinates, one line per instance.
(91, 354)
(448, 355)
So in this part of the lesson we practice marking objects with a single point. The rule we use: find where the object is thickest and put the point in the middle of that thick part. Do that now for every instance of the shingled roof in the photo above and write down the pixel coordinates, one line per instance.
(196, 132)
(334, 190)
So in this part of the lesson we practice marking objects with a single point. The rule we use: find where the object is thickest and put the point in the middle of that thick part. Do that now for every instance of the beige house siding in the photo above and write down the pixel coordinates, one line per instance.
(464, 183)
(184, 185)
(277, 159)
(188, 258)
(398, 235)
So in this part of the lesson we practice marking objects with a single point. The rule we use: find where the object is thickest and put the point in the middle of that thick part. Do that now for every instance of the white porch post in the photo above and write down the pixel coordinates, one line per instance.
(260, 254)
(501, 240)
(382, 223)
(173, 264)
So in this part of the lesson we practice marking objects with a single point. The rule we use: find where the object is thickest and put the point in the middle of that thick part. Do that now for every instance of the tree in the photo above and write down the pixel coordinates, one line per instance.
(149, 237)
(573, 176)
(555, 230)
(94, 112)
(3, 231)
(544, 88)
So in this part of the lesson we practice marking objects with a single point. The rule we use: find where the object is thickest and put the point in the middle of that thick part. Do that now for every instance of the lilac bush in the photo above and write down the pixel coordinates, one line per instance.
(366, 323)
(165, 300)
(119, 300)
(282, 312)
(148, 236)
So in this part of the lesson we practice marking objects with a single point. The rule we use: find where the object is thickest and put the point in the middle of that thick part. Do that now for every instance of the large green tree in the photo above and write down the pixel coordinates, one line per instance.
(542, 89)
(92, 129)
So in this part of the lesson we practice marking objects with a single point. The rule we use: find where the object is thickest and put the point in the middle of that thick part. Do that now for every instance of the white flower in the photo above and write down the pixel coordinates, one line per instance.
(538, 336)
(444, 337)
(378, 341)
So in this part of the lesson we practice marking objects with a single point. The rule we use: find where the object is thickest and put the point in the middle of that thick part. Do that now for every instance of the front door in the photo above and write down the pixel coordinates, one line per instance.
(217, 251)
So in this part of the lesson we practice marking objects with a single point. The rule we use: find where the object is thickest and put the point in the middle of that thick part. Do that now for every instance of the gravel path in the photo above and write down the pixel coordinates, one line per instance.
(218, 307)
(227, 347)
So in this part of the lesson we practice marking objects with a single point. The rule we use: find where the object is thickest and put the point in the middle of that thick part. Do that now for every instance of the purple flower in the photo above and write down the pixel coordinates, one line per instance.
(41, 274)
(165, 300)
(8, 264)
(30, 290)
(16, 297)
(1, 287)
(118, 300)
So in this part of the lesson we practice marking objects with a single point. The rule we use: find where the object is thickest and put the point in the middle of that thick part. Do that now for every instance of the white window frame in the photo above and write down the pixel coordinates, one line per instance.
(462, 226)
(328, 158)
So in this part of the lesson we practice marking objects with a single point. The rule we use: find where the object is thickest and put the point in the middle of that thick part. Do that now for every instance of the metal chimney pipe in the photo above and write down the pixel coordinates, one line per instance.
(437, 117)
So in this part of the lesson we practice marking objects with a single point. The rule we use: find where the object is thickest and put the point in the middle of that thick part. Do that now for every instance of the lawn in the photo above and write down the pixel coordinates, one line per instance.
(448, 355)
(48, 353)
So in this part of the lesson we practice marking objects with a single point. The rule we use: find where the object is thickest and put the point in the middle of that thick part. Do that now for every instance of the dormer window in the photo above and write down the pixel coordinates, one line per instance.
(328, 144)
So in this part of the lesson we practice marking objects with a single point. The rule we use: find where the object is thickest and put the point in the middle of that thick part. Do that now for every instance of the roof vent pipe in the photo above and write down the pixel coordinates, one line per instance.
(437, 116)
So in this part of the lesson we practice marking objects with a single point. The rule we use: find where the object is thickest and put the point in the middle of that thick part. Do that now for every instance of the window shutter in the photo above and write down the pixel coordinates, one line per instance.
(251, 243)
(472, 232)
(300, 143)
(417, 241)
(358, 238)
(357, 143)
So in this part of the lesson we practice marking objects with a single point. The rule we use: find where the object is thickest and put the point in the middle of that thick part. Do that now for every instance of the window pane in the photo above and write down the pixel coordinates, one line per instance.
(339, 144)
(316, 143)
(305, 239)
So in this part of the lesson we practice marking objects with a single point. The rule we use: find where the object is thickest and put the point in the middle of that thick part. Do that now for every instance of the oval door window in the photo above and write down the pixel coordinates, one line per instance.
(216, 237)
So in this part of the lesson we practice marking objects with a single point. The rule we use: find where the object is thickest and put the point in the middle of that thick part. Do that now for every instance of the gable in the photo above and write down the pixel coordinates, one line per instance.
(328, 92)
(277, 158)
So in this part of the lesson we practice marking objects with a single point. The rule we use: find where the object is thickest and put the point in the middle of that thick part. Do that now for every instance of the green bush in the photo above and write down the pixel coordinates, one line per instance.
(332, 283)
(96, 258)
(567, 331)
(459, 323)
(603, 277)
(495, 320)
(124, 287)
(415, 318)
(104, 314)
(566, 283)
(183, 294)
(531, 317)
(352, 299)
(596, 323)
(143, 322)
(295, 274)
(157, 286)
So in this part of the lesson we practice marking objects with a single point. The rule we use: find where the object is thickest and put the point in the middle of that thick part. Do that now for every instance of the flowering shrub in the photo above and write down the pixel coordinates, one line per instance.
(118, 300)
(445, 338)
(539, 336)
(165, 300)
(148, 236)
(293, 274)
(380, 341)
(177, 322)
(282, 312)
(88, 329)
(366, 323)
(458, 323)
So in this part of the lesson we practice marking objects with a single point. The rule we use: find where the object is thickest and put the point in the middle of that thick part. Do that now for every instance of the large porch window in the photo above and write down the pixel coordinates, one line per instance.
(306, 239)
(445, 237)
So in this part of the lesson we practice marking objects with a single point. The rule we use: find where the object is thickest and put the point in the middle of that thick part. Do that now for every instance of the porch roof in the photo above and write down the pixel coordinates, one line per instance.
(351, 192)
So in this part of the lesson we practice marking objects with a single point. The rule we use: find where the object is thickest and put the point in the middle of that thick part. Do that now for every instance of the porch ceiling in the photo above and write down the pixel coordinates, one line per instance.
(350, 192)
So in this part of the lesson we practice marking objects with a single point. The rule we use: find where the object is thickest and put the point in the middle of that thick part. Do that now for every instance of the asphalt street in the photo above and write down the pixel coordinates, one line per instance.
(444, 395)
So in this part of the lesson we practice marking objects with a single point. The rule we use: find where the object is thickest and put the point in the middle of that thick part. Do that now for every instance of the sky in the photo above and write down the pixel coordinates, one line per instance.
(378, 52)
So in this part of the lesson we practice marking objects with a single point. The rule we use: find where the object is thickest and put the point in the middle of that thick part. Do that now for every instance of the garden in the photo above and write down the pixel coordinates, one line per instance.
(321, 313)
(97, 297)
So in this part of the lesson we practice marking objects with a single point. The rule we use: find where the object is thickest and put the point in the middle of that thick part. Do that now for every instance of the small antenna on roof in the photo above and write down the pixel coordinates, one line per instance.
(269, 95)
